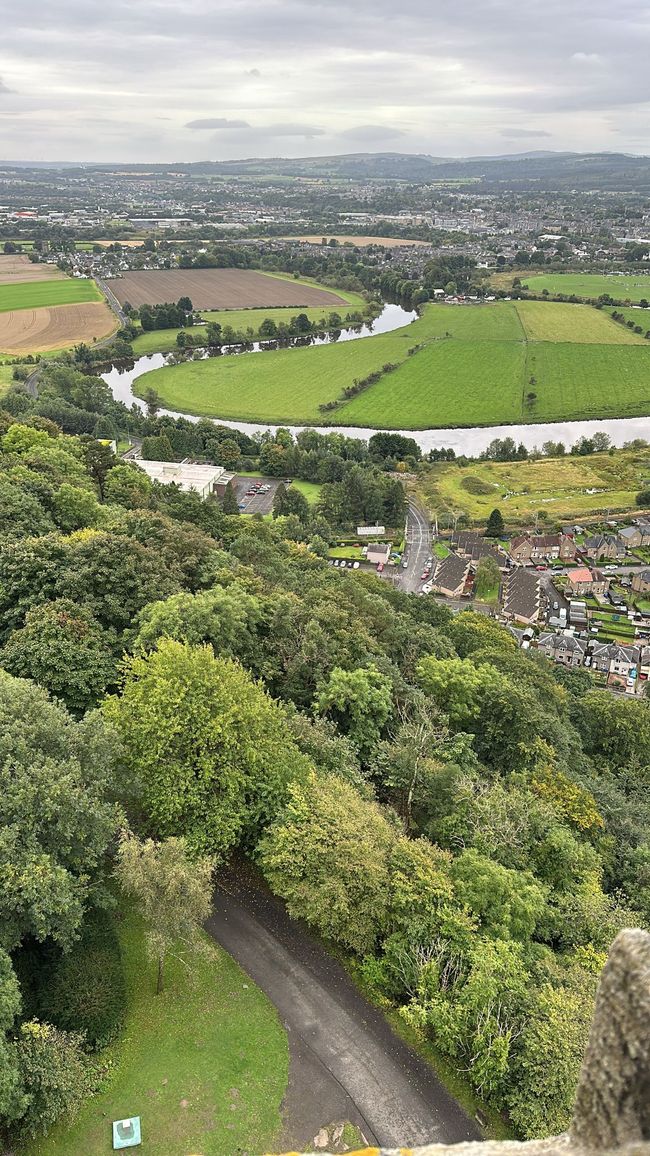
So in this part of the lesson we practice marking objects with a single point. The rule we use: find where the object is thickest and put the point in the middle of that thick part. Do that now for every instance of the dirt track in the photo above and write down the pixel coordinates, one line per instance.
(38, 330)
(16, 268)
(218, 289)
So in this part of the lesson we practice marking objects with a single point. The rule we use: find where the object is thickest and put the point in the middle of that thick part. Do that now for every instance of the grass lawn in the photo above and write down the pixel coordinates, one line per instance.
(476, 366)
(6, 378)
(39, 294)
(350, 553)
(204, 1064)
(560, 487)
(311, 490)
(634, 286)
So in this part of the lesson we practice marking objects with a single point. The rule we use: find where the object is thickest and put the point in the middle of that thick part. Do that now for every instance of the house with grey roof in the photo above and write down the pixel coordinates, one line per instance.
(563, 648)
(522, 594)
(451, 575)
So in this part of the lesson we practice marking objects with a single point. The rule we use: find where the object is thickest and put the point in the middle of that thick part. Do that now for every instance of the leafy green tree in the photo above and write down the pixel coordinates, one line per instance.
(487, 581)
(495, 525)
(292, 502)
(230, 619)
(63, 648)
(360, 703)
(613, 730)
(173, 893)
(104, 429)
(55, 781)
(472, 632)
(99, 460)
(128, 486)
(549, 1055)
(230, 504)
(643, 498)
(75, 508)
(19, 439)
(211, 752)
(21, 513)
(508, 903)
(12, 1097)
(328, 857)
(457, 686)
(55, 1073)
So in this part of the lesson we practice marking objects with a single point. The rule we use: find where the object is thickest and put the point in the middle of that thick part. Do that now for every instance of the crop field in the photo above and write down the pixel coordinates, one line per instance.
(634, 286)
(32, 330)
(359, 241)
(562, 488)
(16, 269)
(582, 324)
(39, 294)
(220, 289)
(489, 364)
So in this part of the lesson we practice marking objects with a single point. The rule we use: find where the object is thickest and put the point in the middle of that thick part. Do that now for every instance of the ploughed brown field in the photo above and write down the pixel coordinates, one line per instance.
(39, 330)
(218, 289)
(16, 268)
(355, 239)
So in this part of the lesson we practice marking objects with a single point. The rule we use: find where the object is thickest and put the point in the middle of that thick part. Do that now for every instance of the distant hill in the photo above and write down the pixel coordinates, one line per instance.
(543, 170)
(539, 170)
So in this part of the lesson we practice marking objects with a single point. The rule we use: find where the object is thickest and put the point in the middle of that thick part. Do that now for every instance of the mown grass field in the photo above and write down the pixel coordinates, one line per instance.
(204, 1064)
(579, 324)
(6, 378)
(39, 294)
(558, 487)
(633, 286)
(492, 364)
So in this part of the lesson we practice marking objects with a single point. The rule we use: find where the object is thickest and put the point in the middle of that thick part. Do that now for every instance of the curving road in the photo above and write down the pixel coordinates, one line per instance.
(345, 1061)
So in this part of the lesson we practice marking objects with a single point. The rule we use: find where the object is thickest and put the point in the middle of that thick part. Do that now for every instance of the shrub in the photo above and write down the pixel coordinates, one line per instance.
(82, 990)
(475, 485)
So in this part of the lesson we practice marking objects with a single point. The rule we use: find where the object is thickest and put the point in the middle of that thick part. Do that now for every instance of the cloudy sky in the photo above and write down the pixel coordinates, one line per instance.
(152, 80)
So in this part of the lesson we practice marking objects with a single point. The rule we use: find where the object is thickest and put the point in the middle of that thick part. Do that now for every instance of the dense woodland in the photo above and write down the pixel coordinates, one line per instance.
(467, 822)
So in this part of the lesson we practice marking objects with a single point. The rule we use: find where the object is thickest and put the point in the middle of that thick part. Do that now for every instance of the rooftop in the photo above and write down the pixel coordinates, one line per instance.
(187, 476)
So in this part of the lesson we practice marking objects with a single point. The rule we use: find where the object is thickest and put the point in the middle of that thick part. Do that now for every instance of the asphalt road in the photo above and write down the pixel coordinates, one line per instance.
(345, 1061)
(418, 548)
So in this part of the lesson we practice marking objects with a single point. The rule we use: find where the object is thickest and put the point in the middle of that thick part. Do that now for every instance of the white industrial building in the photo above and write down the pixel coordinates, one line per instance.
(188, 476)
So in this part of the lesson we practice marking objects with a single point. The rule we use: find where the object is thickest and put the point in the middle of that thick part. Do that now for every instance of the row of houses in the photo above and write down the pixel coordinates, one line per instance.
(532, 549)
(627, 667)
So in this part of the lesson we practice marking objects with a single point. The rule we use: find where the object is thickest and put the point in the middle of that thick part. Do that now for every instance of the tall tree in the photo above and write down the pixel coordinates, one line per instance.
(173, 893)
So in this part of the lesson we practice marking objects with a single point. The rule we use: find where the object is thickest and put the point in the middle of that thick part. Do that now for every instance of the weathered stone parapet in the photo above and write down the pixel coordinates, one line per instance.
(612, 1109)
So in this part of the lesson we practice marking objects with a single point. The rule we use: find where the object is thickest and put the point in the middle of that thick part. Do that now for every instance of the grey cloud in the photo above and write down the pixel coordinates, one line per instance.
(457, 75)
(217, 122)
(372, 132)
(524, 133)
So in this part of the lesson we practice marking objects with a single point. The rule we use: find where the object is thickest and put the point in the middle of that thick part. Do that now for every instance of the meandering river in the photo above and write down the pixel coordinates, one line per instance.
(470, 441)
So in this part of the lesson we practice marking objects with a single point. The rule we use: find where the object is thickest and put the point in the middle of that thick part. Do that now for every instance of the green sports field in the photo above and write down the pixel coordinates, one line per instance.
(633, 287)
(43, 294)
(491, 364)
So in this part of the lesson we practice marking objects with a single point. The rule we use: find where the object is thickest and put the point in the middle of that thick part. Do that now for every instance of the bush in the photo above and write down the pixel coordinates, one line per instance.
(82, 990)
(475, 485)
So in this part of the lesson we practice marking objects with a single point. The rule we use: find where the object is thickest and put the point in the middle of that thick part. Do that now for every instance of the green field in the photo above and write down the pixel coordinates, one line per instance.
(556, 487)
(490, 364)
(633, 287)
(6, 378)
(162, 340)
(39, 294)
(204, 1064)
(578, 324)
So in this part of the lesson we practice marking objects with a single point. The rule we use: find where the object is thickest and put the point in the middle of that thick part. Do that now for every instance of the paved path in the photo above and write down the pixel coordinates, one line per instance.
(346, 1063)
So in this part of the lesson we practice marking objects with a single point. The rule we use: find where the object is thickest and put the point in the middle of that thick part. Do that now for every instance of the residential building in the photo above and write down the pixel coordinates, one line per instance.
(641, 582)
(584, 581)
(531, 549)
(602, 546)
(638, 535)
(522, 596)
(451, 576)
(188, 476)
(475, 547)
(378, 553)
(563, 648)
